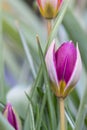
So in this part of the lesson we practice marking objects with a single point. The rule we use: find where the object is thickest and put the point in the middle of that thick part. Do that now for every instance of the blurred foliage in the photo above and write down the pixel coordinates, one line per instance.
(20, 63)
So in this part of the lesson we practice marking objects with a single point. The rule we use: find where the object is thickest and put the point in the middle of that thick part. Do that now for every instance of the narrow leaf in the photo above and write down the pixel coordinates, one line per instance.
(76, 33)
(47, 84)
(27, 51)
(82, 111)
(29, 122)
(39, 119)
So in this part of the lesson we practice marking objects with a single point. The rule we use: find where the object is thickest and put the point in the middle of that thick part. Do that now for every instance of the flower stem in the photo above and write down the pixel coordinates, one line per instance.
(62, 115)
(49, 27)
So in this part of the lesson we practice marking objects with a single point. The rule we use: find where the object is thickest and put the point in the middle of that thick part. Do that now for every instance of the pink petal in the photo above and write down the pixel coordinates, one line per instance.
(77, 70)
(43, 3)
(50, 63)
(54, 3)
(12, 117)
(65, 61)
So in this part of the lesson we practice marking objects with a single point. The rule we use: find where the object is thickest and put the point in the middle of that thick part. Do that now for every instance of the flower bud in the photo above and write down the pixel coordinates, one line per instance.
(49, 8)
(12, 117)
(64, 67)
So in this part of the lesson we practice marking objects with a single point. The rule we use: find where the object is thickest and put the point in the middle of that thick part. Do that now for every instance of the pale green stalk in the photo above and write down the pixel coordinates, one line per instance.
(62, 114)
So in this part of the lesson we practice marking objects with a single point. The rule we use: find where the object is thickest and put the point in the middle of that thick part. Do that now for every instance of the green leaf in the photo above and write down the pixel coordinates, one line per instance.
(2, 106)
(76, 33)
(69, 117)
(29, 122)
(48, 91)
(27, 50)
(82, 111)
(4, 125)
(39, 119)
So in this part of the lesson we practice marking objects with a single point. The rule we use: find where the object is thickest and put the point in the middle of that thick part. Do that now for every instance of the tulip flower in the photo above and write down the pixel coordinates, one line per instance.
(64, 67)
(49, 8)
(12, 117)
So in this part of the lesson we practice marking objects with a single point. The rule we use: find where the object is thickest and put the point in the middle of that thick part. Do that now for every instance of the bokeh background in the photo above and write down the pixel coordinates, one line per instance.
(17, 69)
(19, 57)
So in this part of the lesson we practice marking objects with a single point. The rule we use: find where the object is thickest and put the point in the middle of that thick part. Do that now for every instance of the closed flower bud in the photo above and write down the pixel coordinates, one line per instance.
(64, 67)
(49, 8)
(12, 117)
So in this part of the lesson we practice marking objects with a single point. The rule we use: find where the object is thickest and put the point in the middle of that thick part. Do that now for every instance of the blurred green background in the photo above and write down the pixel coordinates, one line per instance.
(18, 68)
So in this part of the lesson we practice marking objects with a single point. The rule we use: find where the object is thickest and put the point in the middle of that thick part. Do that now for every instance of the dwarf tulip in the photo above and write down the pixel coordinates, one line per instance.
(12, 117)
(64, 67)
(49, 8)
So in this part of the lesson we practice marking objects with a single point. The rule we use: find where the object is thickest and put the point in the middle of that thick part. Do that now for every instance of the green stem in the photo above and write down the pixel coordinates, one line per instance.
(62, 115)
(49, 27)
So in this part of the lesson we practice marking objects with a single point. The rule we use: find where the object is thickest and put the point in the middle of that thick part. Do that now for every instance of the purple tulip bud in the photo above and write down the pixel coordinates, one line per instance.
(12, 117)
(64, 67)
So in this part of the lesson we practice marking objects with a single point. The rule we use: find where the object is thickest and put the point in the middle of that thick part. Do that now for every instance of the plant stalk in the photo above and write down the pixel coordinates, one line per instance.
(49, 27)
(62, 114)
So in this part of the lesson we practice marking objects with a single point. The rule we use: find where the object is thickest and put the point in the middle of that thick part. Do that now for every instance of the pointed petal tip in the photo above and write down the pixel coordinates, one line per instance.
(77, 70)
(50, 63)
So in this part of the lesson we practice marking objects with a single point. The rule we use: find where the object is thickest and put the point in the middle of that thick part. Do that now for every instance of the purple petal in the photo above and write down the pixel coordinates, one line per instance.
(50, 63)
(76, 71)
(65, 61)
(12, 117)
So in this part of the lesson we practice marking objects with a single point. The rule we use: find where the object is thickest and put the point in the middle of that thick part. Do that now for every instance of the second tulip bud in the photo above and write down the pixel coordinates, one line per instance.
(12, 117)
(49, 8)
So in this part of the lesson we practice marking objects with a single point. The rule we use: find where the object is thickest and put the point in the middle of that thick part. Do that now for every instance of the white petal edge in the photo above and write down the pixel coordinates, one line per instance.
(77, 70)
(50, 63)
